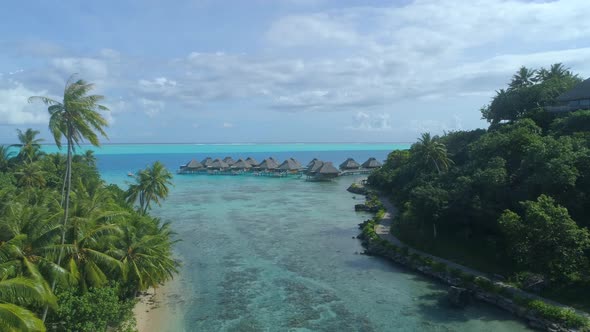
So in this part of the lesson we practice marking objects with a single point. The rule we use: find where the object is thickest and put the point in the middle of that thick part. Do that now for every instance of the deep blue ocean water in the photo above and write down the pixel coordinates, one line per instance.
(277, 254)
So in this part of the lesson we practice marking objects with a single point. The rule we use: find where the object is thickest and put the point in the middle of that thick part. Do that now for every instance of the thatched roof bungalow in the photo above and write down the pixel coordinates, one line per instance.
(228, 160)
(241, 164)
(296, 162)
(349, 164)
(326, 171)
(207, 162)
(253, 162)
(314, 166)
(218, 164)
(268, 164)
(193, 165)
(289, 165)
(371, 163)
(311, 162)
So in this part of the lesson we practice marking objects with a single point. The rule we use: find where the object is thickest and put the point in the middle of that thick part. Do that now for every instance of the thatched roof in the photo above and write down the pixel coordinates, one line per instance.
(252, 161)
(350, 164)
(207, 162)
(219, 164)
(193, 164)
(241, 164)
(228, 160)
(311, 162)
(297, 163)
(289, 165)
(371, 163)
(314, 166)
(268, 164)
(328, 168)
(580, 91)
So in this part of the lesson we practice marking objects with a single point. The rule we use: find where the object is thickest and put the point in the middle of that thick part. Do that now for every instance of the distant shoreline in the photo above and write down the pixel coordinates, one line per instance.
(235, 143)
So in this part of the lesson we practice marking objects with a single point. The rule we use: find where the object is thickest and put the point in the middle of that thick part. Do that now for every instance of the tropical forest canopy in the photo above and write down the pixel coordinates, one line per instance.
(74, 250)
(512, 199)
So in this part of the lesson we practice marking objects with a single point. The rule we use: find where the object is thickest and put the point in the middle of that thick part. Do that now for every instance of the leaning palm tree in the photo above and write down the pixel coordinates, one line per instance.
(151, 185)
(77, 118)
(432, 152)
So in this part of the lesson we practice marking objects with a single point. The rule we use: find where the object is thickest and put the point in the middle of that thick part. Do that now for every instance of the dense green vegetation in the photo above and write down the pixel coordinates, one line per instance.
(512, 199)
(427, 265)
(74, 251)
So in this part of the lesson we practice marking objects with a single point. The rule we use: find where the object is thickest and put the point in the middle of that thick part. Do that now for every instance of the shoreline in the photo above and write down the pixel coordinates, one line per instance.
(538, 312)
(157, 310)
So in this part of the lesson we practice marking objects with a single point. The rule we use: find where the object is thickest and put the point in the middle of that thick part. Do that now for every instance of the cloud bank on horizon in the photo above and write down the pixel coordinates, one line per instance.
(263, 71)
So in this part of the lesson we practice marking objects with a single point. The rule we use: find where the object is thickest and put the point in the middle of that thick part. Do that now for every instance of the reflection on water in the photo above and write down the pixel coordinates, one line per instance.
(263, 254)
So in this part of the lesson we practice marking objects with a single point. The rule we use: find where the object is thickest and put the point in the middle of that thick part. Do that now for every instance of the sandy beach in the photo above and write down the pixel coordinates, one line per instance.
(159, 310)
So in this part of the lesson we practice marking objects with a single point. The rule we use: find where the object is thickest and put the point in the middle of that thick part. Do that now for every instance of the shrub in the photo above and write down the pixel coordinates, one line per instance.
(554, 313)
(96, 310)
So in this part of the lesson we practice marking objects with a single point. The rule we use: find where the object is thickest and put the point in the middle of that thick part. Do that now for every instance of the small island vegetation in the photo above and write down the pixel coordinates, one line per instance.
(511, 200)
(75, 251)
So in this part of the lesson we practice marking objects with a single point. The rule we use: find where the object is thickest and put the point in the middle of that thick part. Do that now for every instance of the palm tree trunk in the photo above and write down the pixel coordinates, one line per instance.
(147, 203)
(68, 183)
(63, 187)
(436, 165)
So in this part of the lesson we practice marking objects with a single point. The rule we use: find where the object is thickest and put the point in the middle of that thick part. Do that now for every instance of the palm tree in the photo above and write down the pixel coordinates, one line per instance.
(432, 152)
(556, 70)
(16, 293)
(76, 118)
(151, 186)
(27, 229)
(5, 157)
(30, 175)
(523, 78)
(30, 145)
(145, 249)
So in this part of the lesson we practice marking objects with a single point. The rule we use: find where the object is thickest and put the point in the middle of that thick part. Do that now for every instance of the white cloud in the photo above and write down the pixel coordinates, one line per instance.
(89, 68)
(15, 110)
(227, 125)
(371, 122)
(296, 30)
(151, 107)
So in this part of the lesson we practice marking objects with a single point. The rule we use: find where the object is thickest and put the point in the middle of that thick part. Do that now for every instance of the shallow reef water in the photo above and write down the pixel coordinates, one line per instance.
(275, 254)
(262, 254)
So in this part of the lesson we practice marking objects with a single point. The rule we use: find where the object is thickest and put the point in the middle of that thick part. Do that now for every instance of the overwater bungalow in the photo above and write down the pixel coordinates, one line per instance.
(218, 164)
(299, 166)
(253, 162)
(229, 160)
(371, 163)
(349, 164)
(241, 165)
(274, 160)
(311, 162)
(191, 167)
(314, 166)
(326, 172)
(289, 166)
(268, 165)
(207, 162)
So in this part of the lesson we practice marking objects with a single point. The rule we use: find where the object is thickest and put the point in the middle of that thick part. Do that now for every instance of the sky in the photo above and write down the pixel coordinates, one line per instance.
(191, 71)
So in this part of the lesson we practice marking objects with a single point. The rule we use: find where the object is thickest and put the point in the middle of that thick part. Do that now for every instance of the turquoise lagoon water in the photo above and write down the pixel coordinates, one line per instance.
(270, 254)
